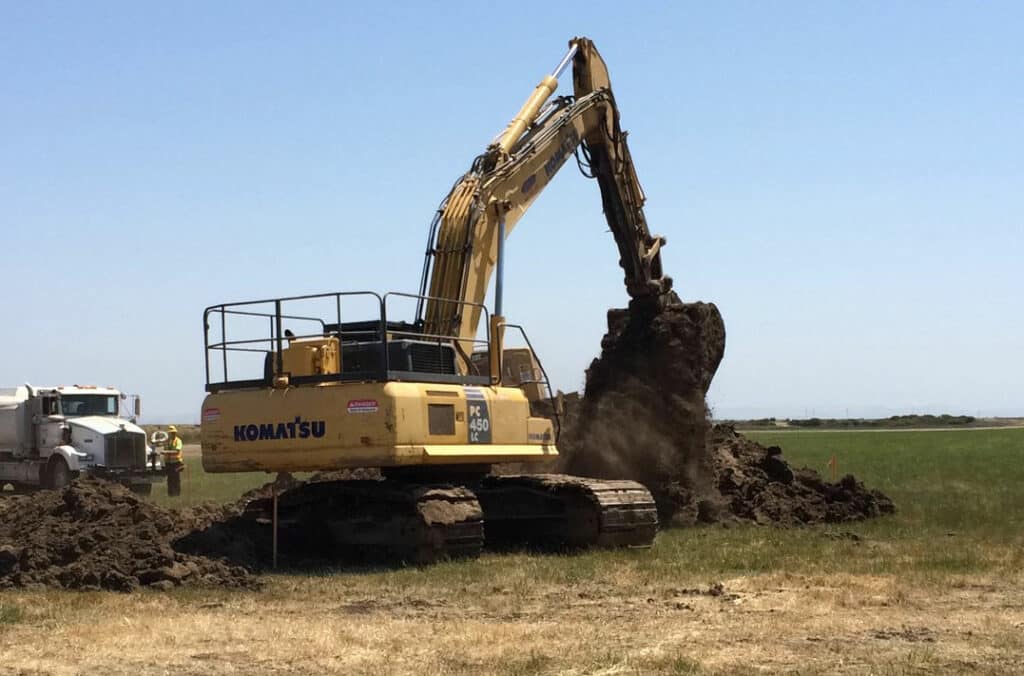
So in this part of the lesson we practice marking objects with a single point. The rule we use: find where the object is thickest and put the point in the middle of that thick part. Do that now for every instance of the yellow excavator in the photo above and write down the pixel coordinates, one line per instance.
(295, 384)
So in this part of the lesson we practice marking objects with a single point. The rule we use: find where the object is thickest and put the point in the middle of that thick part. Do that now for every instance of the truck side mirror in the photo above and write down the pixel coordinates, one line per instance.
(138, 406)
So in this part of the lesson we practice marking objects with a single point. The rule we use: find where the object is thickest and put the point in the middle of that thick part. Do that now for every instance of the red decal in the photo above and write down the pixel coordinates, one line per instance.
(362, 406)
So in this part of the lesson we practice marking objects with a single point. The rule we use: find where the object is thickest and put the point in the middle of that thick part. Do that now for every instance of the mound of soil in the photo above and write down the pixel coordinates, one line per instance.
(643, 416)
(99, 535)
(755, 483)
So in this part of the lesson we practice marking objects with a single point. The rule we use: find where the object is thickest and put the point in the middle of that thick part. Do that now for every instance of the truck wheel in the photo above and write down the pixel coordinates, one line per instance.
(57, 474)
(141, 489)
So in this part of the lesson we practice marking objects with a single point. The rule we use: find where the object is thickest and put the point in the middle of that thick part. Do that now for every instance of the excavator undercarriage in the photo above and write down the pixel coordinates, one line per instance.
(386, 520)
(562, 511)
(397, 520)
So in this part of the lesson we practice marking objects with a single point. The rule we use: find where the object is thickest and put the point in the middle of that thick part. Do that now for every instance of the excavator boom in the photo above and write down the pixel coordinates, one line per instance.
(487, 202)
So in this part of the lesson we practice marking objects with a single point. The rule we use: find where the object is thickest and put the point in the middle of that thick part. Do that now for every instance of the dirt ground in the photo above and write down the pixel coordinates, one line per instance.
(99, 535)
(847, 624)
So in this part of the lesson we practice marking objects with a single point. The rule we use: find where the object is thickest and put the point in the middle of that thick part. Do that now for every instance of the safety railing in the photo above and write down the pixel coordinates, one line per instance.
(245, 342)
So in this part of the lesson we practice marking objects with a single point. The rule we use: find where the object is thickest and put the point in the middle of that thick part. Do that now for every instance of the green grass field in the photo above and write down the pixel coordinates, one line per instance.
(960, 507)
(967, 481)
(198, 486)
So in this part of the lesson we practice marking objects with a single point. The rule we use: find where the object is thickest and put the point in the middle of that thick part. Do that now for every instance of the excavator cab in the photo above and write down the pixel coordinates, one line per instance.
(519, 368)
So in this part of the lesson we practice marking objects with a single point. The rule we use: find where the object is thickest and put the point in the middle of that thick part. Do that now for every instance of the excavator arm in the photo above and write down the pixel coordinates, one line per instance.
(484, 206)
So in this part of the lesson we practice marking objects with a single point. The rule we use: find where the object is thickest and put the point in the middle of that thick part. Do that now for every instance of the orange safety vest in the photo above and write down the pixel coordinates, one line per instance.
(172, 450)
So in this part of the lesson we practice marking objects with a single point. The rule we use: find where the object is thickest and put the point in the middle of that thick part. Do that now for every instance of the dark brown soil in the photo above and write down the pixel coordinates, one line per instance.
(643, 417)
(757, 484)
(99, 535)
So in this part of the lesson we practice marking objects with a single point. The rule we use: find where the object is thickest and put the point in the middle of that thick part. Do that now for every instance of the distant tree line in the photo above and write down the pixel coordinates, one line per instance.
(896, 421)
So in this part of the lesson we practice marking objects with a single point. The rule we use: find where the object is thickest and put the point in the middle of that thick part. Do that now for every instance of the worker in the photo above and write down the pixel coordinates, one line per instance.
(174, 462)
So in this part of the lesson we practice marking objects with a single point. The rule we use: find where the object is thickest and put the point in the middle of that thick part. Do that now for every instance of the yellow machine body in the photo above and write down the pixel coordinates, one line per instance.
(312, 411)
(311, 356)
(387, 424)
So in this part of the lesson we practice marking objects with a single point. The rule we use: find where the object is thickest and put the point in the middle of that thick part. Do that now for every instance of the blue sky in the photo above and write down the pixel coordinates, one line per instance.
(844, 180)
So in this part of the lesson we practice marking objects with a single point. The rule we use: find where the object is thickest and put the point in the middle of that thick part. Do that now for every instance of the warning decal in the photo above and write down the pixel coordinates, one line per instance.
(362, 406)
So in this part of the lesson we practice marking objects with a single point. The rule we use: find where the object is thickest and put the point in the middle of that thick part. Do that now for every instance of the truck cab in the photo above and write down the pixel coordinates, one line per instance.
(49, 435)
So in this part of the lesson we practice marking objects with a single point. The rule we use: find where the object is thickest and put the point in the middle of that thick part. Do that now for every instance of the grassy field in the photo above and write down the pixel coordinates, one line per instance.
(937, 588)
(197, 486)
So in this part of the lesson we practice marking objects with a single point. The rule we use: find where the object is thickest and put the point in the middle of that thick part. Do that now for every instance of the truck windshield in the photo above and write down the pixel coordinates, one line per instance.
(88, 404)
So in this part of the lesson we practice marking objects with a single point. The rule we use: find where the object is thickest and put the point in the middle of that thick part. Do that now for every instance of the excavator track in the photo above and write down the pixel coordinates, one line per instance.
(400, 521)
(380, 520)
(562, 511)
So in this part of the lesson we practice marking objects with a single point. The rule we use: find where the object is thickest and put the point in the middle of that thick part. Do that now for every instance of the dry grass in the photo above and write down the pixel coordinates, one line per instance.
(402, 622)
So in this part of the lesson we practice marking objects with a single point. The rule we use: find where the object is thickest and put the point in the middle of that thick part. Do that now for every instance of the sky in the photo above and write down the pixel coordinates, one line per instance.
(845, 181)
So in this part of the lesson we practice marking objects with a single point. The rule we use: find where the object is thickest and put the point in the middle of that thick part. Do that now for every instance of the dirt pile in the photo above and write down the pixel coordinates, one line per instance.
(99, 535)
(643, 417)
(757, 484)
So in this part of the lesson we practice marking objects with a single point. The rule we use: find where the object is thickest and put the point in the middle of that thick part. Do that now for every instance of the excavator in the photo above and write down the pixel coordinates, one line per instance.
(433, 403)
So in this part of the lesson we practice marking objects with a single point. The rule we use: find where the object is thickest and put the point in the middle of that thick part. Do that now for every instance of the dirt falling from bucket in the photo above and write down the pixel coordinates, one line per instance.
(643, 414)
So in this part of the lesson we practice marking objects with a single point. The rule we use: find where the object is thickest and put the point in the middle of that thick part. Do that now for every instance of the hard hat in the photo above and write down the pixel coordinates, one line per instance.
(172, 428)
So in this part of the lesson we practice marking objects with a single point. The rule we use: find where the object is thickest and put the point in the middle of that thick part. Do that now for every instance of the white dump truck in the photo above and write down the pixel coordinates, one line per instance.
(50, 435)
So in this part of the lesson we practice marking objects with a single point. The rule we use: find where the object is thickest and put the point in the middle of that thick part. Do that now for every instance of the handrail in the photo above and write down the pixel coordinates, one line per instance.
(286, 299)
(373, 330)
(219, 345)
(265, 314)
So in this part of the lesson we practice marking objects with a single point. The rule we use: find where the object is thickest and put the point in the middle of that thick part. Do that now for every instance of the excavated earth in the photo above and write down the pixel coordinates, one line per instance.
(96, 534)
(755, 483)
(643, 416)
(99, 535)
